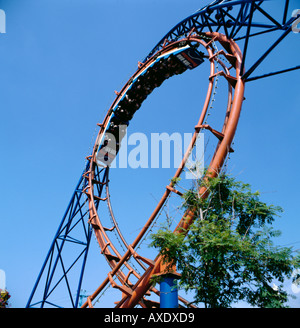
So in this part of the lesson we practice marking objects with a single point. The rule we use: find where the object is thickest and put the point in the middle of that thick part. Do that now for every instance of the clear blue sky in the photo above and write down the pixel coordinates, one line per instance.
(61, 61)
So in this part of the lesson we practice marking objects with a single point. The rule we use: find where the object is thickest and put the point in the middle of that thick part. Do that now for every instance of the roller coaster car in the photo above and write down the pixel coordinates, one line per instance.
(190, 57)
(174, 64)
(107, 152)
(111, 144)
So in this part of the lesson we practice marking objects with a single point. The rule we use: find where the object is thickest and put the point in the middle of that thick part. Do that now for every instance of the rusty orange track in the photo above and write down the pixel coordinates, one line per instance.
(134, 293)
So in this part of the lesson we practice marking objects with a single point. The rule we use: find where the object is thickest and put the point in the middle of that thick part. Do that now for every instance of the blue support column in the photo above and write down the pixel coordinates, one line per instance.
(168, 291)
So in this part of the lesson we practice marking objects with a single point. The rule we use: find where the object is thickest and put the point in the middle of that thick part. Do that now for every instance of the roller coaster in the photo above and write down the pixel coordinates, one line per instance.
(217, 35)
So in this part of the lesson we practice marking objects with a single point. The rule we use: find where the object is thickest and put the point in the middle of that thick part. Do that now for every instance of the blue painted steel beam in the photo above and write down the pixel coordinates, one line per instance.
(247, 37)
(188, 23)
(73, 216)
(244, 17)
(285, 12)
(259, 61)
(273, 73)
(50, 252)
(168, 292)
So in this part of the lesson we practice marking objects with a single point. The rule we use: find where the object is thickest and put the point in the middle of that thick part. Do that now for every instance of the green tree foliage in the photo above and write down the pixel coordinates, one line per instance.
(4, 297)
(228, 254)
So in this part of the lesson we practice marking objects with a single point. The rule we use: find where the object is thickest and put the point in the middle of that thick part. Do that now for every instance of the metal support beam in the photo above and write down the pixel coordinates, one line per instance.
(57, 268)
(259, 61)
(273, 73)
(168, 292)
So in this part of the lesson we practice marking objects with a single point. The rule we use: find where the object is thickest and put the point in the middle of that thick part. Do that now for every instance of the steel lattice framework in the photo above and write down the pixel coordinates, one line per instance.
(231, 24)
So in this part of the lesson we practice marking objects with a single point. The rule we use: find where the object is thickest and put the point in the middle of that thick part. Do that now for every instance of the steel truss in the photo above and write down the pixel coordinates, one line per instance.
(239, 20)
